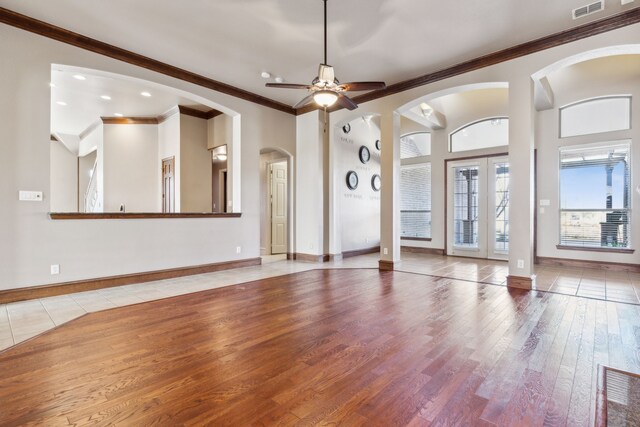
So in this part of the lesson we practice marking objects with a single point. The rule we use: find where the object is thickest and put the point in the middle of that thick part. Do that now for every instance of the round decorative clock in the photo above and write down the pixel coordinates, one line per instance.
(364, 154)
(352, 180)
(375, 182)
(378, 144)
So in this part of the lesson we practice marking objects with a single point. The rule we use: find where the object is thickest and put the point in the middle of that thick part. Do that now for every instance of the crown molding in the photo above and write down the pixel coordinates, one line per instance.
(45, 29)
(614, 22)
(129, 120)
(205, 115)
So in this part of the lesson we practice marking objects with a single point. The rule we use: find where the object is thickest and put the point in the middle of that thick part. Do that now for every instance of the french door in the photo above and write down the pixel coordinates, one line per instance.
(478, 208)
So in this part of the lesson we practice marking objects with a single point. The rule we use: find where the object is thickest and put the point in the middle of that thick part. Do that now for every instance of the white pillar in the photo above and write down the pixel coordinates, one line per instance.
(390, 190)
(521, 192)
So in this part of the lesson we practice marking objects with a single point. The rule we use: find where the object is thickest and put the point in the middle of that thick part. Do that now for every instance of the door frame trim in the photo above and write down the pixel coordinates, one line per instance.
(173, 182)
(446, 187)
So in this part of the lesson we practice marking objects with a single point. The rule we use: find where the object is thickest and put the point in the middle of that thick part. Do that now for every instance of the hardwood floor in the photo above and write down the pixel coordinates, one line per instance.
(327, 347)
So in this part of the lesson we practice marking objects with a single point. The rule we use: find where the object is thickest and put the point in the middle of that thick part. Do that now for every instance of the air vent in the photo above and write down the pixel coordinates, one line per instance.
(588, 9)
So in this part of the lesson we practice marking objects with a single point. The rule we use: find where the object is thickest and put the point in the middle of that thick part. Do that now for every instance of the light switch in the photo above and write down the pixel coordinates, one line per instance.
(30, 196)
(545, 202)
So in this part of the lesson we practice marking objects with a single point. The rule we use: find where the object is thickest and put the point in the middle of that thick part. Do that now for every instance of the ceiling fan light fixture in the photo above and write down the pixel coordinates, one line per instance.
(325, 98)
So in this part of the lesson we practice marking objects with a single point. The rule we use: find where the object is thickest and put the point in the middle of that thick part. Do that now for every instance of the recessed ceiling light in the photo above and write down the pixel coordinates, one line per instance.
(117, 114)
(61, 103)
(279, 79)
(52, 84)
(147, 94)
(265, 75)
(79, 77)
(106, 97)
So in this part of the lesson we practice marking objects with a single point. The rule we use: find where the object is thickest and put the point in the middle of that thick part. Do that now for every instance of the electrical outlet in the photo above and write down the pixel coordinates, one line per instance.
(385, 251)
(55, 269)
(520, 263)
(238, 249)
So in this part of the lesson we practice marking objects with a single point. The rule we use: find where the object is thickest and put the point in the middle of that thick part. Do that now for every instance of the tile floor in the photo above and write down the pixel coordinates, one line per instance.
(22, 320)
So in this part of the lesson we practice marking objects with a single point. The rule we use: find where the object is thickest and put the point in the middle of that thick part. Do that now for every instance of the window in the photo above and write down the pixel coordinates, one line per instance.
(415, 201)
(415, 145)
(595, 116)
(493, 132)
(595, 196)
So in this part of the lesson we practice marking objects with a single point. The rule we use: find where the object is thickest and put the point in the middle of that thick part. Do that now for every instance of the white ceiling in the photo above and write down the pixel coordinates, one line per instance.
(234, 40)
(84, 104)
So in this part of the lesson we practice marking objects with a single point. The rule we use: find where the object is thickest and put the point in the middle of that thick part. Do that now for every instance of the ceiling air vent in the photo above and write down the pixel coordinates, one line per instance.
(588, 9)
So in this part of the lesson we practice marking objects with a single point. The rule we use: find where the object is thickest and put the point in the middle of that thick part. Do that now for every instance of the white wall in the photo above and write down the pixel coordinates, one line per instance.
(64, 179)
(131, 170)
(310, 198)
(195, 161)
(601, 77)
(359, 208)
(30, 242)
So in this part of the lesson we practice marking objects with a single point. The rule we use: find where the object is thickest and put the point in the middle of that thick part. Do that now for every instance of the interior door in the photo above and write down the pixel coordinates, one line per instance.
(478, 208)
(168, 185)
(278, 208)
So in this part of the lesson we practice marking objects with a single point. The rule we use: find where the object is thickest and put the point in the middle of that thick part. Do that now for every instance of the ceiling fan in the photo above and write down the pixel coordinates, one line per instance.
(325, 89)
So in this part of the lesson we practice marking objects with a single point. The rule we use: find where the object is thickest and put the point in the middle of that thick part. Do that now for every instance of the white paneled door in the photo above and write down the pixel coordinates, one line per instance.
(278, 208)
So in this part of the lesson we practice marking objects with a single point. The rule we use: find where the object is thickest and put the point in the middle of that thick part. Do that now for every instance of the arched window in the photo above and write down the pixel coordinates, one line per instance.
(596, 115)
(486, 133)
(415, 145)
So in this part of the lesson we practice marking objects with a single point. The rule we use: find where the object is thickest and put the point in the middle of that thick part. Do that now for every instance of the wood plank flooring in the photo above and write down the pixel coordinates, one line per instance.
(326, 347)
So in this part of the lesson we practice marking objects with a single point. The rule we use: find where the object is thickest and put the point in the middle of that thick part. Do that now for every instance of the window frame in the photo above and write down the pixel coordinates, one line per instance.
(475, 122)
(599, 144)
(593, 99)
(411, 162)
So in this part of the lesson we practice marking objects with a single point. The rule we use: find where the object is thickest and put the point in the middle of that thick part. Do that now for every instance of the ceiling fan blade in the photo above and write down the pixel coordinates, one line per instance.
(288, 85)
(304, 101)
(355, 86)
(346, 102)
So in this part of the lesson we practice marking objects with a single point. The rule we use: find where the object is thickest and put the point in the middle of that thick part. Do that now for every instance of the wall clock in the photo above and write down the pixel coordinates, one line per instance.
(352, 180)
(375, 182)
(364, 154)
(378, 144)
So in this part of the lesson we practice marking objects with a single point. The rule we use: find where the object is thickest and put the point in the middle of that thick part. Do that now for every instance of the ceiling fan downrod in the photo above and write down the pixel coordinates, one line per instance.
(325, 32)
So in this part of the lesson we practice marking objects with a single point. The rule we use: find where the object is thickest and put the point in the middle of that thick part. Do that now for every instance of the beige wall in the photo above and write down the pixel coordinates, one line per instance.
(195, 162)
(517, 73)
(64, 179)
(608, 76)
(88, 249)
(131, 171)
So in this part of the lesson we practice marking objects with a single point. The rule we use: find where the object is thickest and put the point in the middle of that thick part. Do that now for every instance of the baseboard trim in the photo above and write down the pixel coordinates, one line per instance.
(386, 265)
(311, 258)
(418, 250)
(356, 252)
(601, 265)
(521, 282)
(34, 292)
